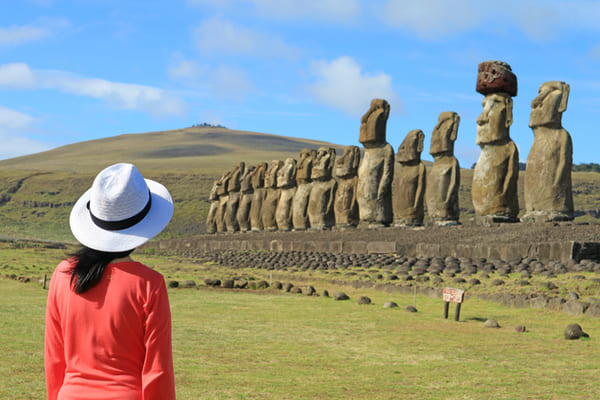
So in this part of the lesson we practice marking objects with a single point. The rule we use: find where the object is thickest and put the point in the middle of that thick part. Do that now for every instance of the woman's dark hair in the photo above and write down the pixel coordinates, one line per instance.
(89, 267)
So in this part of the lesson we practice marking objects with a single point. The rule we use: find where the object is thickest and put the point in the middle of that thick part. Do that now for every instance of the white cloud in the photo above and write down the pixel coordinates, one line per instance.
(342, 84)
(13, 127)
(320, 10)
(220, 36)
(16, 75)
(20, 34)
(126, 96)
(224, 82)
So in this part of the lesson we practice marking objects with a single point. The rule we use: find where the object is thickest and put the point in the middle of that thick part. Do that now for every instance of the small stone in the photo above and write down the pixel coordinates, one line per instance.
(411, 309)
(390, 304)
(340, 296)
(574, 331)
(363, 300)
(491, 323)
(520, 328)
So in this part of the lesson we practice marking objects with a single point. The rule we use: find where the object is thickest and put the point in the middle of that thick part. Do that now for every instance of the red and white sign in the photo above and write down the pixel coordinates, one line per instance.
(451, 295)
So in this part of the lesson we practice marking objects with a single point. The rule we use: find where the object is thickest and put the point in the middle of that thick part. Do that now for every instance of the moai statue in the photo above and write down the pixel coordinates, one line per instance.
(233, 201)
(322, 194)
(376, 170)
(345, 206)
(286, 182)
(258, 185)
(304, 185)
(443, 181)
(246, 194)
(496, 173)
(213, 197)
(548, 195)
(272, 196)
(223, 197)
(409, 181)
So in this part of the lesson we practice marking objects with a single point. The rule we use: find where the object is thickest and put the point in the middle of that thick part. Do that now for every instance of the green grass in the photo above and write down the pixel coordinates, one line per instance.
(268, 344)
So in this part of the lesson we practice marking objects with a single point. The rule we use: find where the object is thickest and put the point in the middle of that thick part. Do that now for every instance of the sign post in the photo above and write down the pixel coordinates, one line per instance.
(450, 295)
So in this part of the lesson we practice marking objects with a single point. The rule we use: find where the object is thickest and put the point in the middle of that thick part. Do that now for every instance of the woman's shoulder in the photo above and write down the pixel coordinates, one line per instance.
(139, 269)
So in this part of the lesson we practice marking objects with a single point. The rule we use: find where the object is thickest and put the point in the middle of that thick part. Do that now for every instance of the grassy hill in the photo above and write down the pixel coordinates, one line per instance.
(38, 190)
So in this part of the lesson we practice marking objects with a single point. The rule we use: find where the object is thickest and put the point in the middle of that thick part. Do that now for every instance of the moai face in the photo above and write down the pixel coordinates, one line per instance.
(495, 119)
(271, 174)
(246, 185)
(548, 106)
(373, 123)
(444, 134)
(258, 177)
(411, 148)
(304, 167)
(286, 176)
(324, 163)
(347, 164)
(213, 191)
(234, 183)
(222, 183)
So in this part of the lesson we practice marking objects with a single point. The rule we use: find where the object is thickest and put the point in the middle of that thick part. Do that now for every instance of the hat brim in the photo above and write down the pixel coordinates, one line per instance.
(94, 237)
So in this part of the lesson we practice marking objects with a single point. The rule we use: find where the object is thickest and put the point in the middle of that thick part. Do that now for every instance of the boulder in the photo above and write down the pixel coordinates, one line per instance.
(491, 323)
(340, 296)
(363, 300)
(574, 331)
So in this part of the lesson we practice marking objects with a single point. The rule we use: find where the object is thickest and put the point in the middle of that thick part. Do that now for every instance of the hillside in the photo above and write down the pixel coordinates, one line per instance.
(38, 190)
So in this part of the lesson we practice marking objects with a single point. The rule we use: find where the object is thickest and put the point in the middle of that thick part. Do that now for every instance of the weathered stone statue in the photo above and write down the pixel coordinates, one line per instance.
(304, 185)
(496, 173)
(246, 194)
(548, 195)
(443, 181)
(345, 206)
(223, 197)
(233, 201)
(211, 226)
(286, 182)
(376, 170)
(409, 181)
(322, 194)
(258, 185)
(272, 196)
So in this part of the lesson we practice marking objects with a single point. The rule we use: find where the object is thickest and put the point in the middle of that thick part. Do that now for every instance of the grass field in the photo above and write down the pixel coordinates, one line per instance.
(268, 344)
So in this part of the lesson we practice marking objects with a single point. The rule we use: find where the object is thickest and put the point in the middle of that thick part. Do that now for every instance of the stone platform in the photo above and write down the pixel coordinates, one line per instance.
(545, 242)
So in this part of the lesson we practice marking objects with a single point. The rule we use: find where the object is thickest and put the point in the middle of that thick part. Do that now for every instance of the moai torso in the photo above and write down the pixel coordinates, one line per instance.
(223, 197)
(258, 197)
(246, 194)
(443, 180)
(271, 197)
(345, 206)
(304, 185)
(547, 189)
(322, 194)
(211, 226)
(376, 169)
(495, 176)
(409, 181)
(286, 182)
(233, 201)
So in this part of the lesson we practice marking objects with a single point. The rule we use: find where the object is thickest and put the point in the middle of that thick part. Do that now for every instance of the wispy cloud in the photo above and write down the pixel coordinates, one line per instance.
(13, 128)
(14, 35)
(125, 96)
(339, 11)
(341, 84)
(221, 36)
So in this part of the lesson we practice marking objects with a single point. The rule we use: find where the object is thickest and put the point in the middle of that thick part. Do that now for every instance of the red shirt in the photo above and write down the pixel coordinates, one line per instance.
(111, 342)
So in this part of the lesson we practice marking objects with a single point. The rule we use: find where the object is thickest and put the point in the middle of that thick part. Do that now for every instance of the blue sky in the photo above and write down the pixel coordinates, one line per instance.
(75, 70)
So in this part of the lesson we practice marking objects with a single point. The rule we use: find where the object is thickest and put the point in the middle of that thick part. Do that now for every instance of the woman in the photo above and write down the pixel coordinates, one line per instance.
(108, 322)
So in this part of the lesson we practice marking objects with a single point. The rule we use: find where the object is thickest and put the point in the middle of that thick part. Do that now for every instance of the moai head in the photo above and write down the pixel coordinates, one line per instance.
(246, 185)
(235, 181)
(304, 167)
(411, 148)
(258, 177)
(494, 121)
(323, 164)
(548, 106)
(286, 176)
(373, 123)
(271, 174)
(223, 183)
(347, 164)
(444, 134)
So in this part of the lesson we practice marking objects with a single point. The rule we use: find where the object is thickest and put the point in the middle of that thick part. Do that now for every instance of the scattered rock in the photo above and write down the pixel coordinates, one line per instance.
(262, 285)
(190, 284)
(210, 282)
(411, 309)
(288, 286)
(228, 283)
(497, 282)
(173, 284)
(296, 290)
(520, 328)
(390, 304)
(574, 331)
(491, 323)
(363, 300)
(340, 296)
(325, 293)
(309, 291)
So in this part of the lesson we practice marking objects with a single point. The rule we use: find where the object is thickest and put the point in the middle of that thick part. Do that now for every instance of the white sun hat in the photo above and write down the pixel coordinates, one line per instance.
(121, 211)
